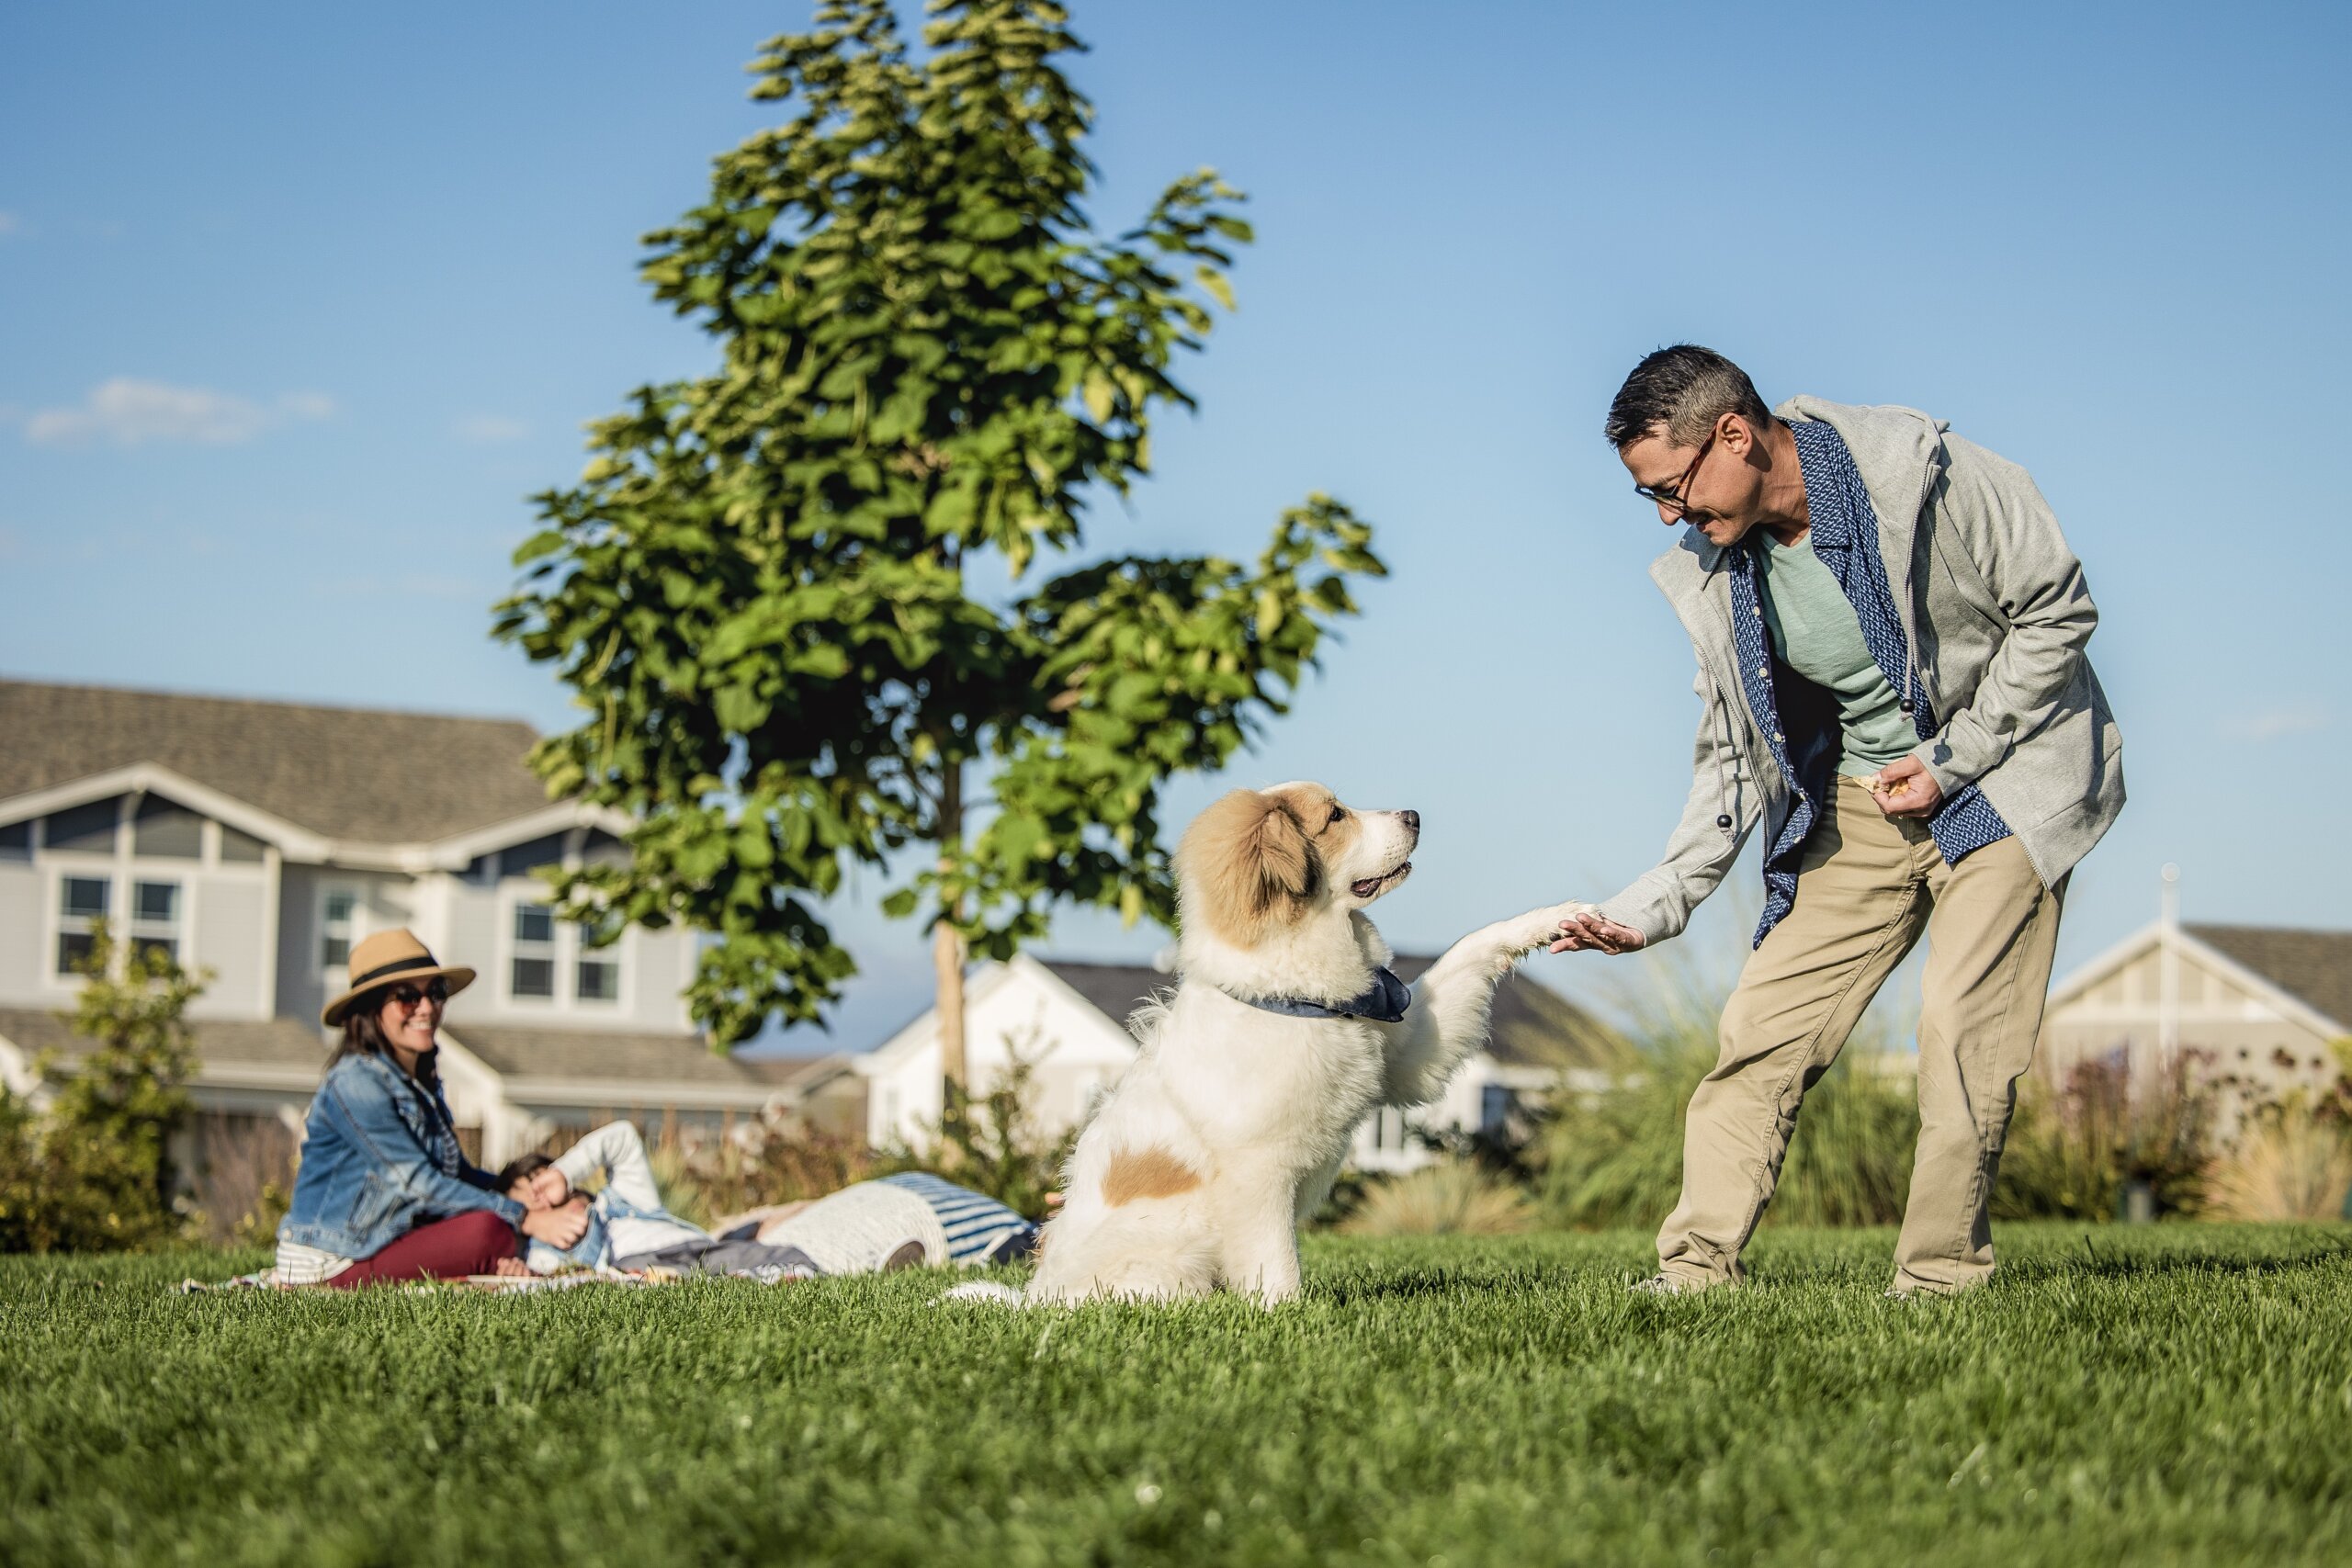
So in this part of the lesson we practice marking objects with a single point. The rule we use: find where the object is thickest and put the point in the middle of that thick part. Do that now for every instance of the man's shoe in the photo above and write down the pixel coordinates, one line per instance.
(1657, 1285)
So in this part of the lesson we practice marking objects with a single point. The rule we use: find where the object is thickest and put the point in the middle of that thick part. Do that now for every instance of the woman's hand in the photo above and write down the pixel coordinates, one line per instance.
(560, 1228)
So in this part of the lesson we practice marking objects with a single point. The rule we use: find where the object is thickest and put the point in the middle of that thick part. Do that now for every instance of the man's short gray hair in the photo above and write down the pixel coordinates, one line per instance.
(1682, 390)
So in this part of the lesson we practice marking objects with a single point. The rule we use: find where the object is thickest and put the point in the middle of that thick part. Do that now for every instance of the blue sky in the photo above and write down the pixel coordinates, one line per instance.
(297, 303)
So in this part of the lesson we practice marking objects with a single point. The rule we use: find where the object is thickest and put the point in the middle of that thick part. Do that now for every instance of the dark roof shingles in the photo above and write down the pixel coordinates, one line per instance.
(272, 1043)
(2315, 966)
(646, 1058)
(351, 773)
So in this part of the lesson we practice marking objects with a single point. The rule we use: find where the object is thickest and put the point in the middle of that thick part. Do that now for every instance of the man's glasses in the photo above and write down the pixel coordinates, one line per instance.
(1671, 495)
(408, 998)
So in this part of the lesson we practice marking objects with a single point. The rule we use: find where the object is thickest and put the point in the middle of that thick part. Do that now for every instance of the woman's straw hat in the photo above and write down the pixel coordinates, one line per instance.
(391, 958)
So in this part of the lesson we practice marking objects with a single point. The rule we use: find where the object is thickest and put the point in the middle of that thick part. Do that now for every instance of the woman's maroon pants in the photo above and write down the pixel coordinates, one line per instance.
(470, 1243)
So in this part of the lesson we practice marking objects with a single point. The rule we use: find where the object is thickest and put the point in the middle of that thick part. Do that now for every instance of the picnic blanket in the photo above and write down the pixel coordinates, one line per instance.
(510, 1284)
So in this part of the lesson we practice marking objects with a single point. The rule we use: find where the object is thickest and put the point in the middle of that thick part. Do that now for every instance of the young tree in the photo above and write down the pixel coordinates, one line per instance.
(759, 586)
(94, 1172)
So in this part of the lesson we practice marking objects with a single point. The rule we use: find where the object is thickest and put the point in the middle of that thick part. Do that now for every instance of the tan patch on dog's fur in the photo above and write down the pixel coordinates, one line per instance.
(1146, 1173)
(1250, 864)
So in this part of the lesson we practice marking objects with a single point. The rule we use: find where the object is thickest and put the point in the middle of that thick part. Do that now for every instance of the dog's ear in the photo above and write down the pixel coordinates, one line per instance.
(1246, 861)
(1287, 869)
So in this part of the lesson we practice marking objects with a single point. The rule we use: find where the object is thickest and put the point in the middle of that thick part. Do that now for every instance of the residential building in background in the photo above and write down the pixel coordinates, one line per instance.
(260, 841)
(2262, 1005)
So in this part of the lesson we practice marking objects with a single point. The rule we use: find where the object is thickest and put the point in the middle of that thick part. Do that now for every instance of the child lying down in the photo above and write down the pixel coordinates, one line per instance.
(894, 1223)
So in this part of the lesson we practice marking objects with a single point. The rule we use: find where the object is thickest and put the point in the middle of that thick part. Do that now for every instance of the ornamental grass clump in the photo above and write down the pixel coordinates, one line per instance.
(2288, 1164)
(1452, 1198)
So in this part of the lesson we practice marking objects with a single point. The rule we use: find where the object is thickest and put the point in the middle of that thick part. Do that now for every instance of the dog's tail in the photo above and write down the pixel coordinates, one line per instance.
(986, 1291)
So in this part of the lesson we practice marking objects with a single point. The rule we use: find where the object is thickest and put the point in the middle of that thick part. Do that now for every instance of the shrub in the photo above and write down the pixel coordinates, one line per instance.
(772, 1160)
(1614, 1158)
(94, 1172)
(2288, 1164)
(1451, 1198)
(2073, 1144)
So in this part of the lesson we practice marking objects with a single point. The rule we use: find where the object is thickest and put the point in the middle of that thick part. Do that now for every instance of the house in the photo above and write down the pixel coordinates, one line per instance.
(260, 841)
(2265, 1003)
(1069, 1021)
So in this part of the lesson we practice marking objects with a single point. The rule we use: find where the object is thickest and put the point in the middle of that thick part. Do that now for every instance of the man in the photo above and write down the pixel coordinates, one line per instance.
(627, 1226)
(1889, 631)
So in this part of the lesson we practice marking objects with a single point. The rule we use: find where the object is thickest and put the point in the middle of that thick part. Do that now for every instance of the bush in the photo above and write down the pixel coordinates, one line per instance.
(2073, 1144)
(1614, 1158)
(772, 1160)
(94, 1172)
(1451, 1198)
(2289, 1163)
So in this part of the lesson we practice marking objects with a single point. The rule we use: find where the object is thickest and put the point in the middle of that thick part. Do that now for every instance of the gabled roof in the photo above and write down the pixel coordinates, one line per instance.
(344, 774)
(610, 1057)
(275, 1043)
(2316, 967)
(1532, 1024)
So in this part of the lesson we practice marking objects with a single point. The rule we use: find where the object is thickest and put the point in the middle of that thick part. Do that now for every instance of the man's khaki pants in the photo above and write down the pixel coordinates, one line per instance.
(1868, 888)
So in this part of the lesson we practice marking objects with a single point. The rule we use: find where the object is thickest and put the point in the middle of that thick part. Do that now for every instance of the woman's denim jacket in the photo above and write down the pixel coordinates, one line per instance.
(379, 1158)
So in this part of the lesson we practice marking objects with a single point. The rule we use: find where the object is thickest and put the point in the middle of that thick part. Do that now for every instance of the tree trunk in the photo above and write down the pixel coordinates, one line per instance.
(947, 961)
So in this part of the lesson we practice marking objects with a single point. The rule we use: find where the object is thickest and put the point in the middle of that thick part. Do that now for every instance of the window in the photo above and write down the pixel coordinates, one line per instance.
(82, 902)
(239, 845)
(599, 976)
(335, 914)
(163, 830)
(600, 848)
(1494, 1105)
(17, 842)
(83, 829)
(523, 859)
(155, 917)
(532, 971)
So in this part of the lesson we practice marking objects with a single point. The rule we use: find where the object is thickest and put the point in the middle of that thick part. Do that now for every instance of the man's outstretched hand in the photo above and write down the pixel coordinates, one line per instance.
(1596, 932)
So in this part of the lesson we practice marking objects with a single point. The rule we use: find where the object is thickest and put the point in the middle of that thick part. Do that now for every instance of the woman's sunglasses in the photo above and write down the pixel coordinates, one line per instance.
(408, 998)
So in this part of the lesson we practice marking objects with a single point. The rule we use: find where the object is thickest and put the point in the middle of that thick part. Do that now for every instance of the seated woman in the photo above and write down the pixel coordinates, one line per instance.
(384, 1191)
(628, 1226)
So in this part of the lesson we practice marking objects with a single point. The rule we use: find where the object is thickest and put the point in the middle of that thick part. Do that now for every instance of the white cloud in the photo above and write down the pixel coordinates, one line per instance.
(308, 405)
(129, 411)
(491, 429)
(9, 224)
(2277, 723)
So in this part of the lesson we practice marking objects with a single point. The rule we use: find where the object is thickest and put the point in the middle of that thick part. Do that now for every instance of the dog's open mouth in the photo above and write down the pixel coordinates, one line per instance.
(1372, 885)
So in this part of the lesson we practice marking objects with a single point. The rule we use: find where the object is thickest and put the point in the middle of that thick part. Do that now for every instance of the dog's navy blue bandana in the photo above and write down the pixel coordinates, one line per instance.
(1383, 1001)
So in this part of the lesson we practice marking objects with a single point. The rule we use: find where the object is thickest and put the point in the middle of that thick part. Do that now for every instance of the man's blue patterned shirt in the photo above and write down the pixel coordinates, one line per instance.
(1845, 537)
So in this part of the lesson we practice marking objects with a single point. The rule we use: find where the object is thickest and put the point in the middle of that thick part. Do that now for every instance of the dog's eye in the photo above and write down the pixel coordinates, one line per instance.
(1338, 811)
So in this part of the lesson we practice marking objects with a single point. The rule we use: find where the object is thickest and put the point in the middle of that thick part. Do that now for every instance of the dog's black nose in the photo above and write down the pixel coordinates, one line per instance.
(1412, 820)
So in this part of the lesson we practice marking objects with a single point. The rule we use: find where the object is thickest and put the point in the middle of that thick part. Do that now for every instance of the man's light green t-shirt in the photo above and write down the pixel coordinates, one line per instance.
(1815, 633)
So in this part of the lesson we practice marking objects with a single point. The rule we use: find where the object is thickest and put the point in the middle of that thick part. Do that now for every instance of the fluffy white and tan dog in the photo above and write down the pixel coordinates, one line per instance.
(1282, 1035)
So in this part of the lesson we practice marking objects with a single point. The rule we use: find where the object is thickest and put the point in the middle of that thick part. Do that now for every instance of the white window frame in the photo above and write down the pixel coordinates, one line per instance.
(566, 951)
(94, 865)
(136, 927)
(513, 948)
(609, 956)
(62, 925)
(336, 976)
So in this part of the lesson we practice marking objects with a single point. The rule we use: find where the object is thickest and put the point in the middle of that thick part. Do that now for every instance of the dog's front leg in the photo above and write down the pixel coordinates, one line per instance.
(1452, 1002)
(1258, 1234)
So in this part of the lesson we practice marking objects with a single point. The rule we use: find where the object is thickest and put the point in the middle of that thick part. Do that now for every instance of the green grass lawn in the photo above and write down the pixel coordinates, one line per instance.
(2170, 1394)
